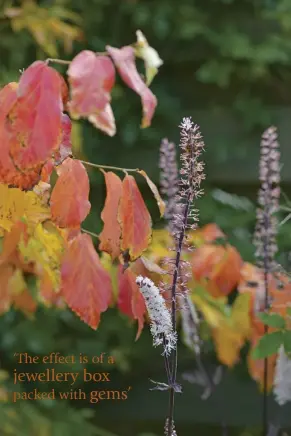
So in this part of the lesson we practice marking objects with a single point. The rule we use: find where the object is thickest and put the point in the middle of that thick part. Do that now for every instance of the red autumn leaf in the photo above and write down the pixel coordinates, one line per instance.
(219, 265)
(124, 60)
(91, 78)
(69, 199)
(134, 219)
(86, 285)
(110, 235)
(130, 300)
(9, 174)
(36, 118)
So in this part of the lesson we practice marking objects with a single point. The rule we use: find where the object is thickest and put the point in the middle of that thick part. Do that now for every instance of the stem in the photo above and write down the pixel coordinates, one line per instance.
(167, 366)
(90, 233)
(266, 285)
(108, 167)
(58, 61)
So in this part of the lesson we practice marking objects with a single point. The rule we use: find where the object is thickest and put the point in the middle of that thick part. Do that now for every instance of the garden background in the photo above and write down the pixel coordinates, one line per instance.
(227, 63)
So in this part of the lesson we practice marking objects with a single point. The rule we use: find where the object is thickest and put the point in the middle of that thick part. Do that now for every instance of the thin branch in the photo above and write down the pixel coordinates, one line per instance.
(58, 61)
(90, 233)
(108, 167)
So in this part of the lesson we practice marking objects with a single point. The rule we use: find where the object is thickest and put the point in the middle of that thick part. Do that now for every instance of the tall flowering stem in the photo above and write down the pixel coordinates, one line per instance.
(266, 227)
(192, 173)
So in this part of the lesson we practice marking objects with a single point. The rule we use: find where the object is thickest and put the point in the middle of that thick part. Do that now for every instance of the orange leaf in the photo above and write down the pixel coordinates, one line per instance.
(134, 219)
(207, 233)
(130, 300)
(69, 200)
(219, 265)
(36, 118)
(110, 235)
(154, 189)
(86, 285)
(124, 60)
(91, 78)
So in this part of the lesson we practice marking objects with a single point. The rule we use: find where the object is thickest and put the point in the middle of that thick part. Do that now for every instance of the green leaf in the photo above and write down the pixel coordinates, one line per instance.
(289, 311)
(272, 320)
(287, 341)
(268, 345)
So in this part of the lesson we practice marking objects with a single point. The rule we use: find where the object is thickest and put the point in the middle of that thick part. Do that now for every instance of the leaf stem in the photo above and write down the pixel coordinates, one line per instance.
(58, 61)
(90, 233)
(108, 167)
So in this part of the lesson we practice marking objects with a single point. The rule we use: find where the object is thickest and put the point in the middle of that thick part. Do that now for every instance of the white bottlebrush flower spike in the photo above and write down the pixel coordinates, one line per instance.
(161, 322)
(282, 381)
(150, 56)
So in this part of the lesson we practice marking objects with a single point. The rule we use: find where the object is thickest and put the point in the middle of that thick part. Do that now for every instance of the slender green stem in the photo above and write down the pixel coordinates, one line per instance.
(90, 233)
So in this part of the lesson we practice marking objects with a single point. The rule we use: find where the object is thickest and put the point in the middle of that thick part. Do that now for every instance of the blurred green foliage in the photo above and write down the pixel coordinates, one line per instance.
(227, 63)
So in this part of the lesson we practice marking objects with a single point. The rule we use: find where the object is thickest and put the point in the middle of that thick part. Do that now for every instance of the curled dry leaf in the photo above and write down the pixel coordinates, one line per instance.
(134, 219)
(36, 118)
(69, 200)
(154, 189)
(111, 233)
(124, 60)
(86, 285)
(91, 79)
(130, 299)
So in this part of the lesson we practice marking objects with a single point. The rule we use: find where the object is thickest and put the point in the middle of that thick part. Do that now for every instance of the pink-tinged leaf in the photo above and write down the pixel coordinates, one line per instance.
(134, 219)
(65, 148)
(110, 235)
(86, 285)
(9, 174)
(69, 200)
(36, 118)
(104, 120)
(130, 300)
(124, 60)
(91, 78)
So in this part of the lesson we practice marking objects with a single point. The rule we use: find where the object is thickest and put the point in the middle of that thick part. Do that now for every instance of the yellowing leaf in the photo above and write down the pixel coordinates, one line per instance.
(46, 25)
(16, 204)
(150, 56)
(154, 189)
(230, 335)
(45, 248)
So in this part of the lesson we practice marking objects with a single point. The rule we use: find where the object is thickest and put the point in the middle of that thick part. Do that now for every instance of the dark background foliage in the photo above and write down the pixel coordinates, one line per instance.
(227, 63)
